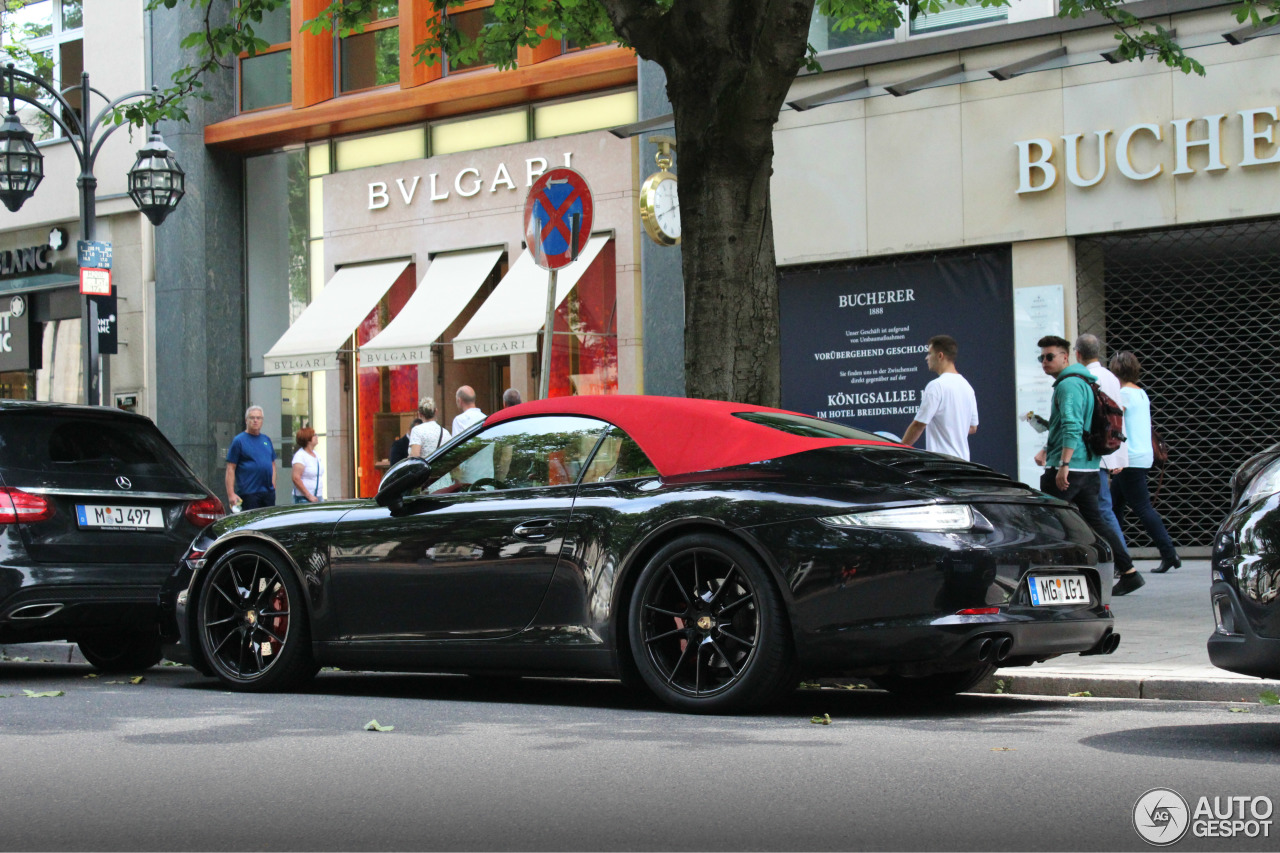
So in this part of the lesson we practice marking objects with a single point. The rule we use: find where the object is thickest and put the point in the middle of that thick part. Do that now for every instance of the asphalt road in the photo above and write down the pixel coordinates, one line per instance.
(177, 763)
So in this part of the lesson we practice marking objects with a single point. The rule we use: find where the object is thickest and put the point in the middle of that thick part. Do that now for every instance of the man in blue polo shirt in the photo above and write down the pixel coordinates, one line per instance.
(251, 465)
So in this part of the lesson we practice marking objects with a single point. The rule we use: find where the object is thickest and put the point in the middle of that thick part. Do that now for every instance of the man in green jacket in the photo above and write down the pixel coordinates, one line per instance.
(1071, 470)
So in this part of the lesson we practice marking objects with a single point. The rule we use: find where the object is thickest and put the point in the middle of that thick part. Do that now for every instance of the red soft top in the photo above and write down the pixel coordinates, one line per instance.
(682, 435)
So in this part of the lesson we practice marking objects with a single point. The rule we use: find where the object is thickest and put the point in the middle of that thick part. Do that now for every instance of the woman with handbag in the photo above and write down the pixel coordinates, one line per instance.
(427, 437)
(1129, 487)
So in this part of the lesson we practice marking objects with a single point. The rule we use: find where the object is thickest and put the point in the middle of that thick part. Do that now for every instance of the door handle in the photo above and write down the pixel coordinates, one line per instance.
(536, 530)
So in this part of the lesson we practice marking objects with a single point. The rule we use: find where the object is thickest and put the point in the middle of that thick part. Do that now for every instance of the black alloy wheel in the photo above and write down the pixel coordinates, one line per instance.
(708, 629)
(120, 651)
(252, 622)
(938, 686)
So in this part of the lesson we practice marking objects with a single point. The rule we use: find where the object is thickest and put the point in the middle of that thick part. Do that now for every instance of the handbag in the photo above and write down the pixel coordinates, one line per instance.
(1159, 459)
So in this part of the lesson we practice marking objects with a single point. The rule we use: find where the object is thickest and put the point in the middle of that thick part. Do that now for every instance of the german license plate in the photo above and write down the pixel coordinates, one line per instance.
(90, 515)
(1050, 590)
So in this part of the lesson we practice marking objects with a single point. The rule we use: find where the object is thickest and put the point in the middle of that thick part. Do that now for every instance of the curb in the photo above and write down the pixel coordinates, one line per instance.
(40, 652)
(1129, 687)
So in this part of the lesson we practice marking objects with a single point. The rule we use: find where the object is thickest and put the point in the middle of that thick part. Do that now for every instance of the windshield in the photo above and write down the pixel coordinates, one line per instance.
(807, 427)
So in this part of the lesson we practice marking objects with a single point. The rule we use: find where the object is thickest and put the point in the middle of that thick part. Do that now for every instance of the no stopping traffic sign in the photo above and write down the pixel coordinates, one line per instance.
(558, 201)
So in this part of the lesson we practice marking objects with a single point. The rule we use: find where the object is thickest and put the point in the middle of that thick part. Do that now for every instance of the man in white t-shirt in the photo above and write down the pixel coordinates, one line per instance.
(1088, 352)
(948, 412)
(470, 413)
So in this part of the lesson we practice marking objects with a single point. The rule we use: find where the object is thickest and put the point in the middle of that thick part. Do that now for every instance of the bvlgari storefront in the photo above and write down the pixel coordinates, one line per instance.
(1064, 195)
(372, 287)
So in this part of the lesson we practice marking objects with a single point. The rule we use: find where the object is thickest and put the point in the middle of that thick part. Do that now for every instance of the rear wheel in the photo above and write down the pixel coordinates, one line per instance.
(120, 651)
(708, 629)
(937, 686)
(252, 624)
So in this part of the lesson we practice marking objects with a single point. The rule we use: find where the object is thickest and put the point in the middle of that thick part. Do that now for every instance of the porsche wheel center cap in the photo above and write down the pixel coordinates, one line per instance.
(251, 617)
(706, 623)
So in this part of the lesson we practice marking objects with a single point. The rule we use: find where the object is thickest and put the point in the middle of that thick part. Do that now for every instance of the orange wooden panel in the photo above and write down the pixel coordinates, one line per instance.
(312, 56)
(549, 49)
(414, 15)
(579, 72)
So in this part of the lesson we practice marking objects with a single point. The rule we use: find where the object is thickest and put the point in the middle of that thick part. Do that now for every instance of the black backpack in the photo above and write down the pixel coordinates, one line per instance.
(1106, 428)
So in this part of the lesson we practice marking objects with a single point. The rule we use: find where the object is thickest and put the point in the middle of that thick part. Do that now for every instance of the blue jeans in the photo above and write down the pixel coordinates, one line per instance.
(299, 499)
(258, 501)
(1105, 508)
(1130, 489)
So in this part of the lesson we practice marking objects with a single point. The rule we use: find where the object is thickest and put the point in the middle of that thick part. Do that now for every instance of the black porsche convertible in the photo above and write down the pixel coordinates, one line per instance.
(712, 552)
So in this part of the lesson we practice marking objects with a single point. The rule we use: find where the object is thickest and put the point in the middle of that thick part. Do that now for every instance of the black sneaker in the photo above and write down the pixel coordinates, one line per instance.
(1128, 583)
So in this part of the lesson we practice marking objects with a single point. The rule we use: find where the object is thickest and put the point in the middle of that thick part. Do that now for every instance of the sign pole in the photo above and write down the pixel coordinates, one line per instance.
(544, 375)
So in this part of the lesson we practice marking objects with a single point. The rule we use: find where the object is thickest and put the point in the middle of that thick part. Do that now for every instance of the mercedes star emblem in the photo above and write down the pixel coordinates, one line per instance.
(123, 482)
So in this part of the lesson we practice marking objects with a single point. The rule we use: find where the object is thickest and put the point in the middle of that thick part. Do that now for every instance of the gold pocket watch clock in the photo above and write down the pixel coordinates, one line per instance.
(659, 198)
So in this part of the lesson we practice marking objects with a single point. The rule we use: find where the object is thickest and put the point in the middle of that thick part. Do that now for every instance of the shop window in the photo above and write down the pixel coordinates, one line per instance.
(61, 379)
(18, 385)
(584, 352)
(386, 397)
(266, 77)
(472, 23)
(487, 132)
(53, 33)
(371, 58)
(585, 114)
(365, 151)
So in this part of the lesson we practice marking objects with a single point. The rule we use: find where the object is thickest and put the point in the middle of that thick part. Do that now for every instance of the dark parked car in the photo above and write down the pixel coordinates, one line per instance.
(96, 507)
(1246, 572)
(710, 551)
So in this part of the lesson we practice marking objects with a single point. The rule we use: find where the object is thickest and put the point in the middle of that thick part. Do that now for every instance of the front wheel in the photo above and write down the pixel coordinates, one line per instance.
(120, 652)
(251, 622)
(938, 686)
(708, 628)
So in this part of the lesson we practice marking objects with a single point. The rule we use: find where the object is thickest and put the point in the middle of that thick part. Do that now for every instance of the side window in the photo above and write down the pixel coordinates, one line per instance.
(520, 454)
(619, 458)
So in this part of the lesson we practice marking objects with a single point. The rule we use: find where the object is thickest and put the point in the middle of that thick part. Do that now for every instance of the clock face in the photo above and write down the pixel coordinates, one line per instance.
(666, 208)
(660, 208)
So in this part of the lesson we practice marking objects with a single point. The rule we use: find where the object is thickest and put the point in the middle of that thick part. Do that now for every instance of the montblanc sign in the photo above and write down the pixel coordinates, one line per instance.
(467, 182)
(1041, 161)
(21, 261)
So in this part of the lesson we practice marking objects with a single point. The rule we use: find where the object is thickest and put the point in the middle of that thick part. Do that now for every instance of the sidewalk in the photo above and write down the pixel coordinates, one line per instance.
(1163, 628)
(1162, 654)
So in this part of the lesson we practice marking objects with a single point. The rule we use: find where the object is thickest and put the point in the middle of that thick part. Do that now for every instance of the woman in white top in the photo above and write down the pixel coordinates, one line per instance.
(427, 437)
(1129, 487)
(306, 468)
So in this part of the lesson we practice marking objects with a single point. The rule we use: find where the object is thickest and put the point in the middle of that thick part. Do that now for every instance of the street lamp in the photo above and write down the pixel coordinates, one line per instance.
(156, 181)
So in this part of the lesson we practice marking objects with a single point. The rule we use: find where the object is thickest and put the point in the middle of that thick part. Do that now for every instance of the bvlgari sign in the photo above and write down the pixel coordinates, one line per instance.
(1041, 160)
(466, 183)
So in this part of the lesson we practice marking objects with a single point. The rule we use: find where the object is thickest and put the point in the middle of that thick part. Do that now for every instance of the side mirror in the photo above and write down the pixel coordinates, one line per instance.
(406, 474)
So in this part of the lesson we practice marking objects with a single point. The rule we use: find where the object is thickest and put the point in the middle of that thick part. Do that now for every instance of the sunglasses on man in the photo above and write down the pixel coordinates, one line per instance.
(1047, 356)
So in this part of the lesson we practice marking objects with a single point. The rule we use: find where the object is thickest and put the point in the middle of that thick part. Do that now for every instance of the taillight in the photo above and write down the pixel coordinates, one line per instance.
(205, 511)
(978, 611)
(17, 505)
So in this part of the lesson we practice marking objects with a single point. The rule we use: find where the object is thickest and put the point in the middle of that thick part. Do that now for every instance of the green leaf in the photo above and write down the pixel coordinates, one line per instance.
(824, 720)
(1268, 697)
(21, 660)
(375, 726)
(810, 685)
(1239, 710)
(48, 694)
(1081, 693)
(92, 675)
(137, 679)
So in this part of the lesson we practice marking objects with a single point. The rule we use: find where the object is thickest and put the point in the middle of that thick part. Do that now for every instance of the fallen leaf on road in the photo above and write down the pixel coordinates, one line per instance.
(138, 679)
(852, 686)
(171, 663)
(1238, 710)
(1081, 693)
(92, 675)
(1004, 749)
(375, 726)
(21, 660)
(810, 685)
(48, 694)
(824, 720)
(1268, 697)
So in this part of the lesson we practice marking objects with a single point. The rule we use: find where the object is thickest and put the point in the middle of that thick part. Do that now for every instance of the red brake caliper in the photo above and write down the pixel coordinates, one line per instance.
(279, 624)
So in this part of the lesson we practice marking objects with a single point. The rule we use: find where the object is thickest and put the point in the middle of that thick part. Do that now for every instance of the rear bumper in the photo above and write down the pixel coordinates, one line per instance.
(63, 612)
(1242, 650)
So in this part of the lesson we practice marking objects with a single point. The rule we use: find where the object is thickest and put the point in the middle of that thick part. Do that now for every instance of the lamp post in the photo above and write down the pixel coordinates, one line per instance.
(156, 181)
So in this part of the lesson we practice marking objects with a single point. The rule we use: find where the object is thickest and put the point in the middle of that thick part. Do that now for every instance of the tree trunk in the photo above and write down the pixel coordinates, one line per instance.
(729, 66)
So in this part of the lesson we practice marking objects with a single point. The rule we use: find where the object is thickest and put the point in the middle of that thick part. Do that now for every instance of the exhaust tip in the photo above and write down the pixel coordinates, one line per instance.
(985, 648)
(1004, 648)
(36, 611)
(1113, 642)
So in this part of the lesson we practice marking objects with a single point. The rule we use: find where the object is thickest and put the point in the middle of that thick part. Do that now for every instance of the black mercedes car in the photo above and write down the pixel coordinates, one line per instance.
(1245, 591)
(713, 552)
(96, 507)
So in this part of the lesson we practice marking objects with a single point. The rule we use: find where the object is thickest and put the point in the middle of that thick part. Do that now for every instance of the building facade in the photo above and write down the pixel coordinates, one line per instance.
(1004, 180)
(40, 327)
